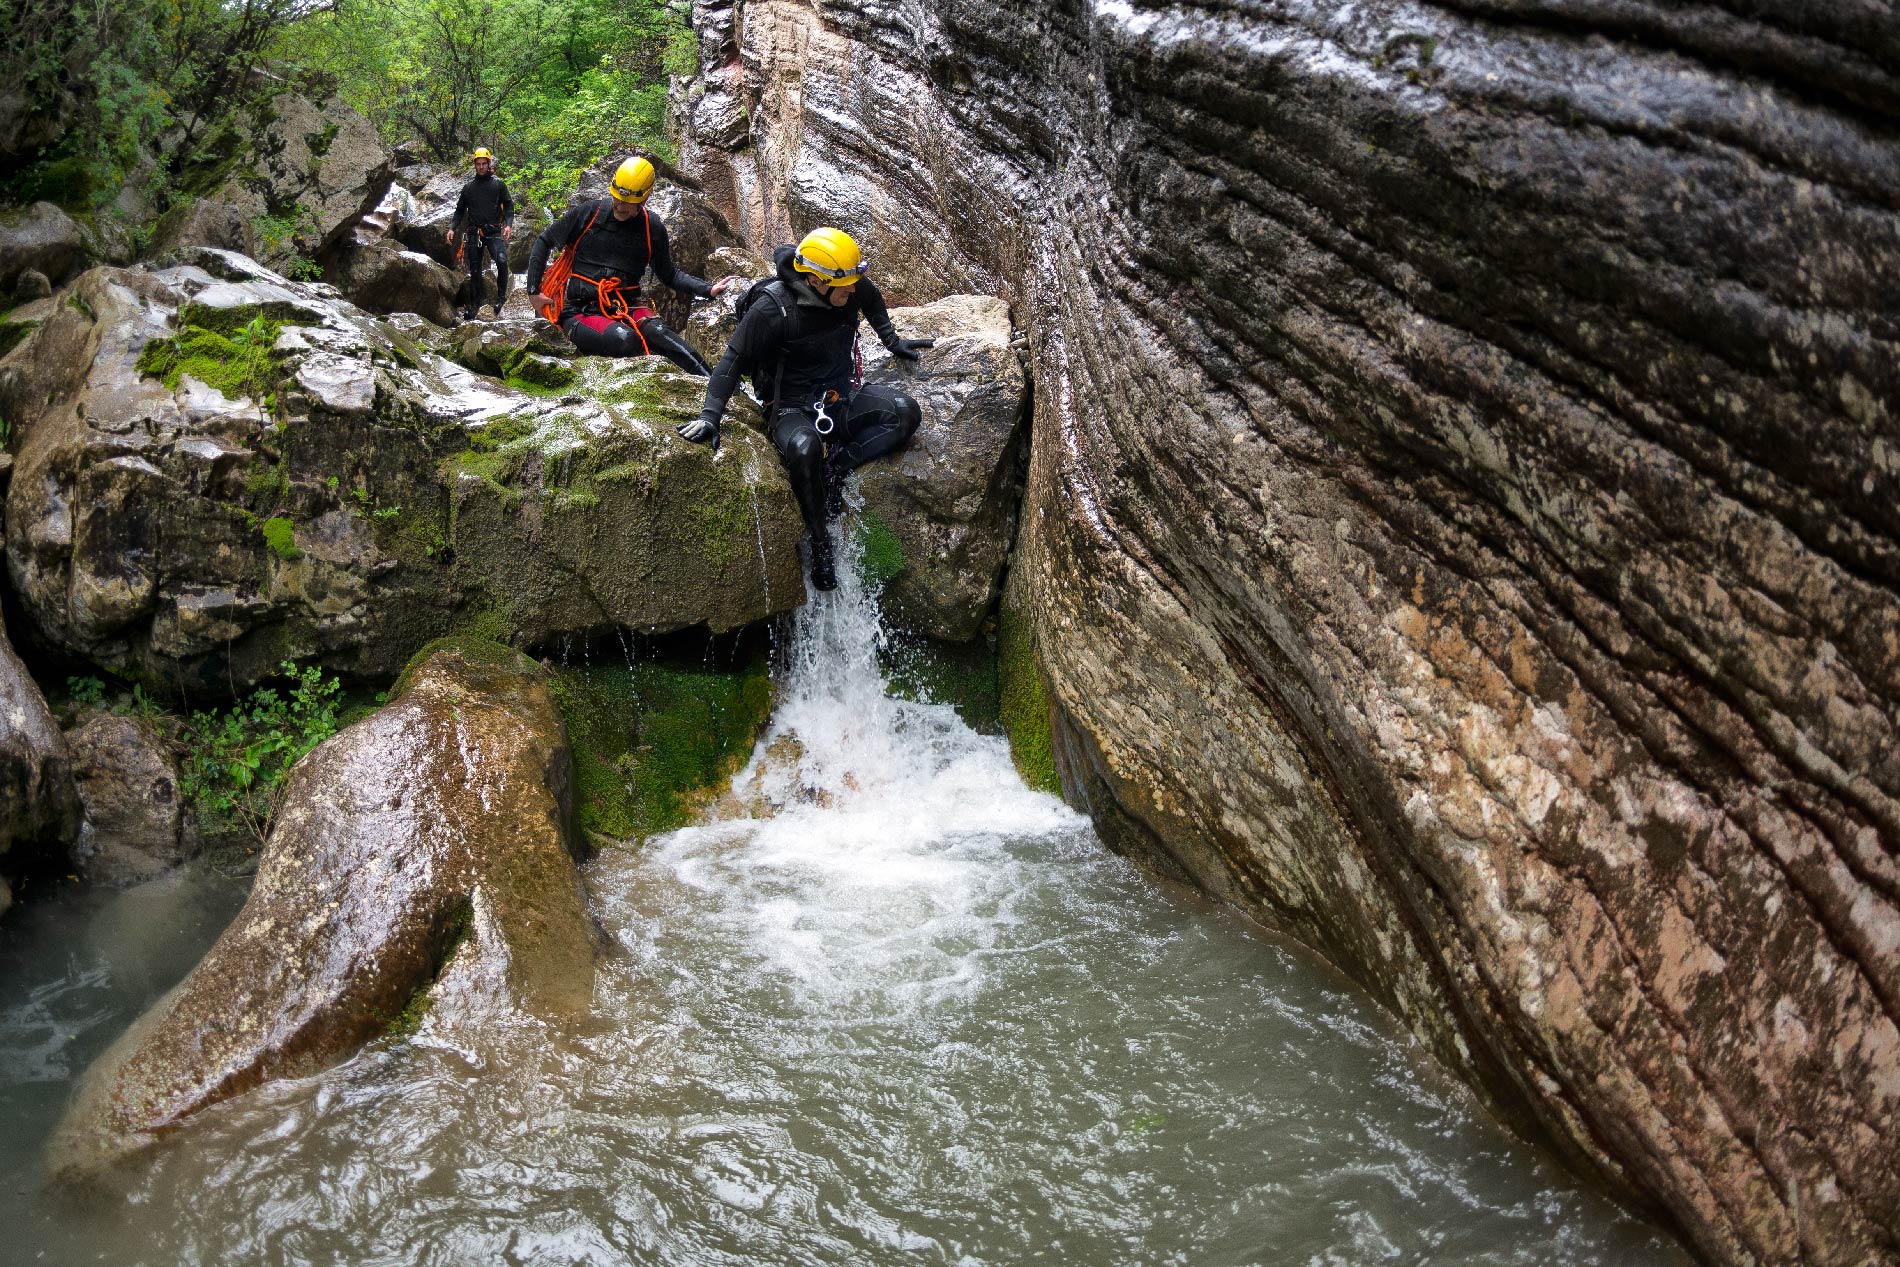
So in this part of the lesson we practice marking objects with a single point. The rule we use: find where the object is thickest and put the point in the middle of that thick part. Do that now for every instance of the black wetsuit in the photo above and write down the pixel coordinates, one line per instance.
(796, 347)
(483, 210)
(617, 250)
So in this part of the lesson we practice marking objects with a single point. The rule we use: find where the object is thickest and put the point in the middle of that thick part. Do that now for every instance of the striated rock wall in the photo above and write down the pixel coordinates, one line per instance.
(1463, 522)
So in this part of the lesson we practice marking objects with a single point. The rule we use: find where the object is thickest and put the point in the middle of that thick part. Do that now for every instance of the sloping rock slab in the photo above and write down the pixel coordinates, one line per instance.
(433, 837)
(949, 497)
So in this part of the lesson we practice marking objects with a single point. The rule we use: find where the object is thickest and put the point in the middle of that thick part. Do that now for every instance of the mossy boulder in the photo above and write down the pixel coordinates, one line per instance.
(423, 858)
(219, 469)
(588, 511)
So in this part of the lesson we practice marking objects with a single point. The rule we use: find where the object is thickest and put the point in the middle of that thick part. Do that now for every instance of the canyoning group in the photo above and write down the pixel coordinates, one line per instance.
(797, 338)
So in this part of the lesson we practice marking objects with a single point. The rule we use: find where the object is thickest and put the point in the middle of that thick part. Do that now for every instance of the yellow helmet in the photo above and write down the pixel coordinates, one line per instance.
(830, 256)
(481, 153)
(633, 181)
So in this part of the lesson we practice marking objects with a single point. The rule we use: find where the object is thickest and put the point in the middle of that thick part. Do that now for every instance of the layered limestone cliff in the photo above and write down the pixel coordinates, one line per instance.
(1463, 522)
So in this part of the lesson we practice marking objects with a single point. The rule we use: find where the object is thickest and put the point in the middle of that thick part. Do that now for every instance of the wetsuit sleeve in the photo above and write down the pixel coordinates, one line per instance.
(685, 283)
(461, 212)
(871, 301)
(507, 206)
(555, 236)
(758, 341)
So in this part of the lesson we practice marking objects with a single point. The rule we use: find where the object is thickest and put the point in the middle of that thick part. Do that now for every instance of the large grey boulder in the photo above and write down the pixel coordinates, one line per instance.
(1463, 521)
(208, 222)
(948, 499)
(423, 858)
(380, 276)
(43, 238)
(301, 173)
(39, 810)
(133, 821)
(352, 495)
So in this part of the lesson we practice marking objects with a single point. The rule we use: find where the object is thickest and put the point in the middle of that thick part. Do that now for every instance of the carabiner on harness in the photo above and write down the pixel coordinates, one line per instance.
(821, 418)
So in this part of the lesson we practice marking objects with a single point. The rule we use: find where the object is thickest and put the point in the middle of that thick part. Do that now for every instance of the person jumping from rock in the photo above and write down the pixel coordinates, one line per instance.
(485, 217)
(798, 339)
(593, 289)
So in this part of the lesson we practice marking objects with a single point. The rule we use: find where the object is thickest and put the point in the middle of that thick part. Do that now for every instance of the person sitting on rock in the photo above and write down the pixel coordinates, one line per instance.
(798, 339)
(593, 289)
(485, 218)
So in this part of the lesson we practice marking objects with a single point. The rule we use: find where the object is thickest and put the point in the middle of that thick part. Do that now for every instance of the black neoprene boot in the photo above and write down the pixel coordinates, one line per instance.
(834, 487)
(824, 570)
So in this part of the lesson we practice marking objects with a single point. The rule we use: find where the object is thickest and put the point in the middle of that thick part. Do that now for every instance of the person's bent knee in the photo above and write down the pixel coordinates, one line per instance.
(909, 413)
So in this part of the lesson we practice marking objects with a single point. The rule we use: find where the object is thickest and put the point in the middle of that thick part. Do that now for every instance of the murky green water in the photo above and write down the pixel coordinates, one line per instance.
(907, 1011)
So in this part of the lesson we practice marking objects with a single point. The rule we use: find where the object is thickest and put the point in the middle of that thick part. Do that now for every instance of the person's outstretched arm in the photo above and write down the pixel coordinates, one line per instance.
(759, 340)
(685, 283)
(871, 303)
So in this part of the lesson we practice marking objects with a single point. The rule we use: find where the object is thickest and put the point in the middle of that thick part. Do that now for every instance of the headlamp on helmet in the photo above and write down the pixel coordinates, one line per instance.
(830, 256)
(633, 181)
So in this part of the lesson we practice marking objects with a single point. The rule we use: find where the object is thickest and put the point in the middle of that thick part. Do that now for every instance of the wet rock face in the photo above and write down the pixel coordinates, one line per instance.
(304, 173)
(132, 828)
(1463, 524)
(40, 238)
(423, 858)
(949, 497)
(39, 811)
(219, 469)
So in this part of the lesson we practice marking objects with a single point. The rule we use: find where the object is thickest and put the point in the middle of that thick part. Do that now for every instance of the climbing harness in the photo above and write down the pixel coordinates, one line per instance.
(821, 417)
(609, 291)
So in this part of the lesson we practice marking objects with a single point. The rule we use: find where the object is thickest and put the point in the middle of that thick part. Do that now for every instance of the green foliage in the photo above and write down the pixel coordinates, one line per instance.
(552, 86)
(237, 363)
(113, 85)
(291, 233)
(882, 558)
(233, 762)
(280, 536)
(650, 738)
(85, 690)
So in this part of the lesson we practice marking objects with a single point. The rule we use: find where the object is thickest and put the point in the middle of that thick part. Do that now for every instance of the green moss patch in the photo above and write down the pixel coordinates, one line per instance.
(280, 536)
(14, 333)
(236, 360)
(476, 650)
(882, 559)
(962, 675)
(650, 738)
(1025, 707)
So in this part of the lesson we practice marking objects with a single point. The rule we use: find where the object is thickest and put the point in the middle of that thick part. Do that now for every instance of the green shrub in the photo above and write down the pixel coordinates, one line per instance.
(233, 763)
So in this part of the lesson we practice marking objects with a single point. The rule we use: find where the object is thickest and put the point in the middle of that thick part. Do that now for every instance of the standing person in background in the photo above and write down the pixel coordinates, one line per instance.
(485, 217)
(592, 291)
(798, 339)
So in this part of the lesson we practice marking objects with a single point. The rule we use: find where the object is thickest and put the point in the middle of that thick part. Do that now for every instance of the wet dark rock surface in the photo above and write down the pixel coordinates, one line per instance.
(39, 808)
(424, 858)
(1463, 524)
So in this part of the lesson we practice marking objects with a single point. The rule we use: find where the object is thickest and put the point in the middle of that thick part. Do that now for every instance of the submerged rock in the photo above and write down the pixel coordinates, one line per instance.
(1463, 523)
(219, 469)
(423, 857)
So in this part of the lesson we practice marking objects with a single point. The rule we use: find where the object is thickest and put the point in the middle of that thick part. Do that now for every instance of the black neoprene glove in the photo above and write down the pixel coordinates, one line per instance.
(910, 349)
(702, 430)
